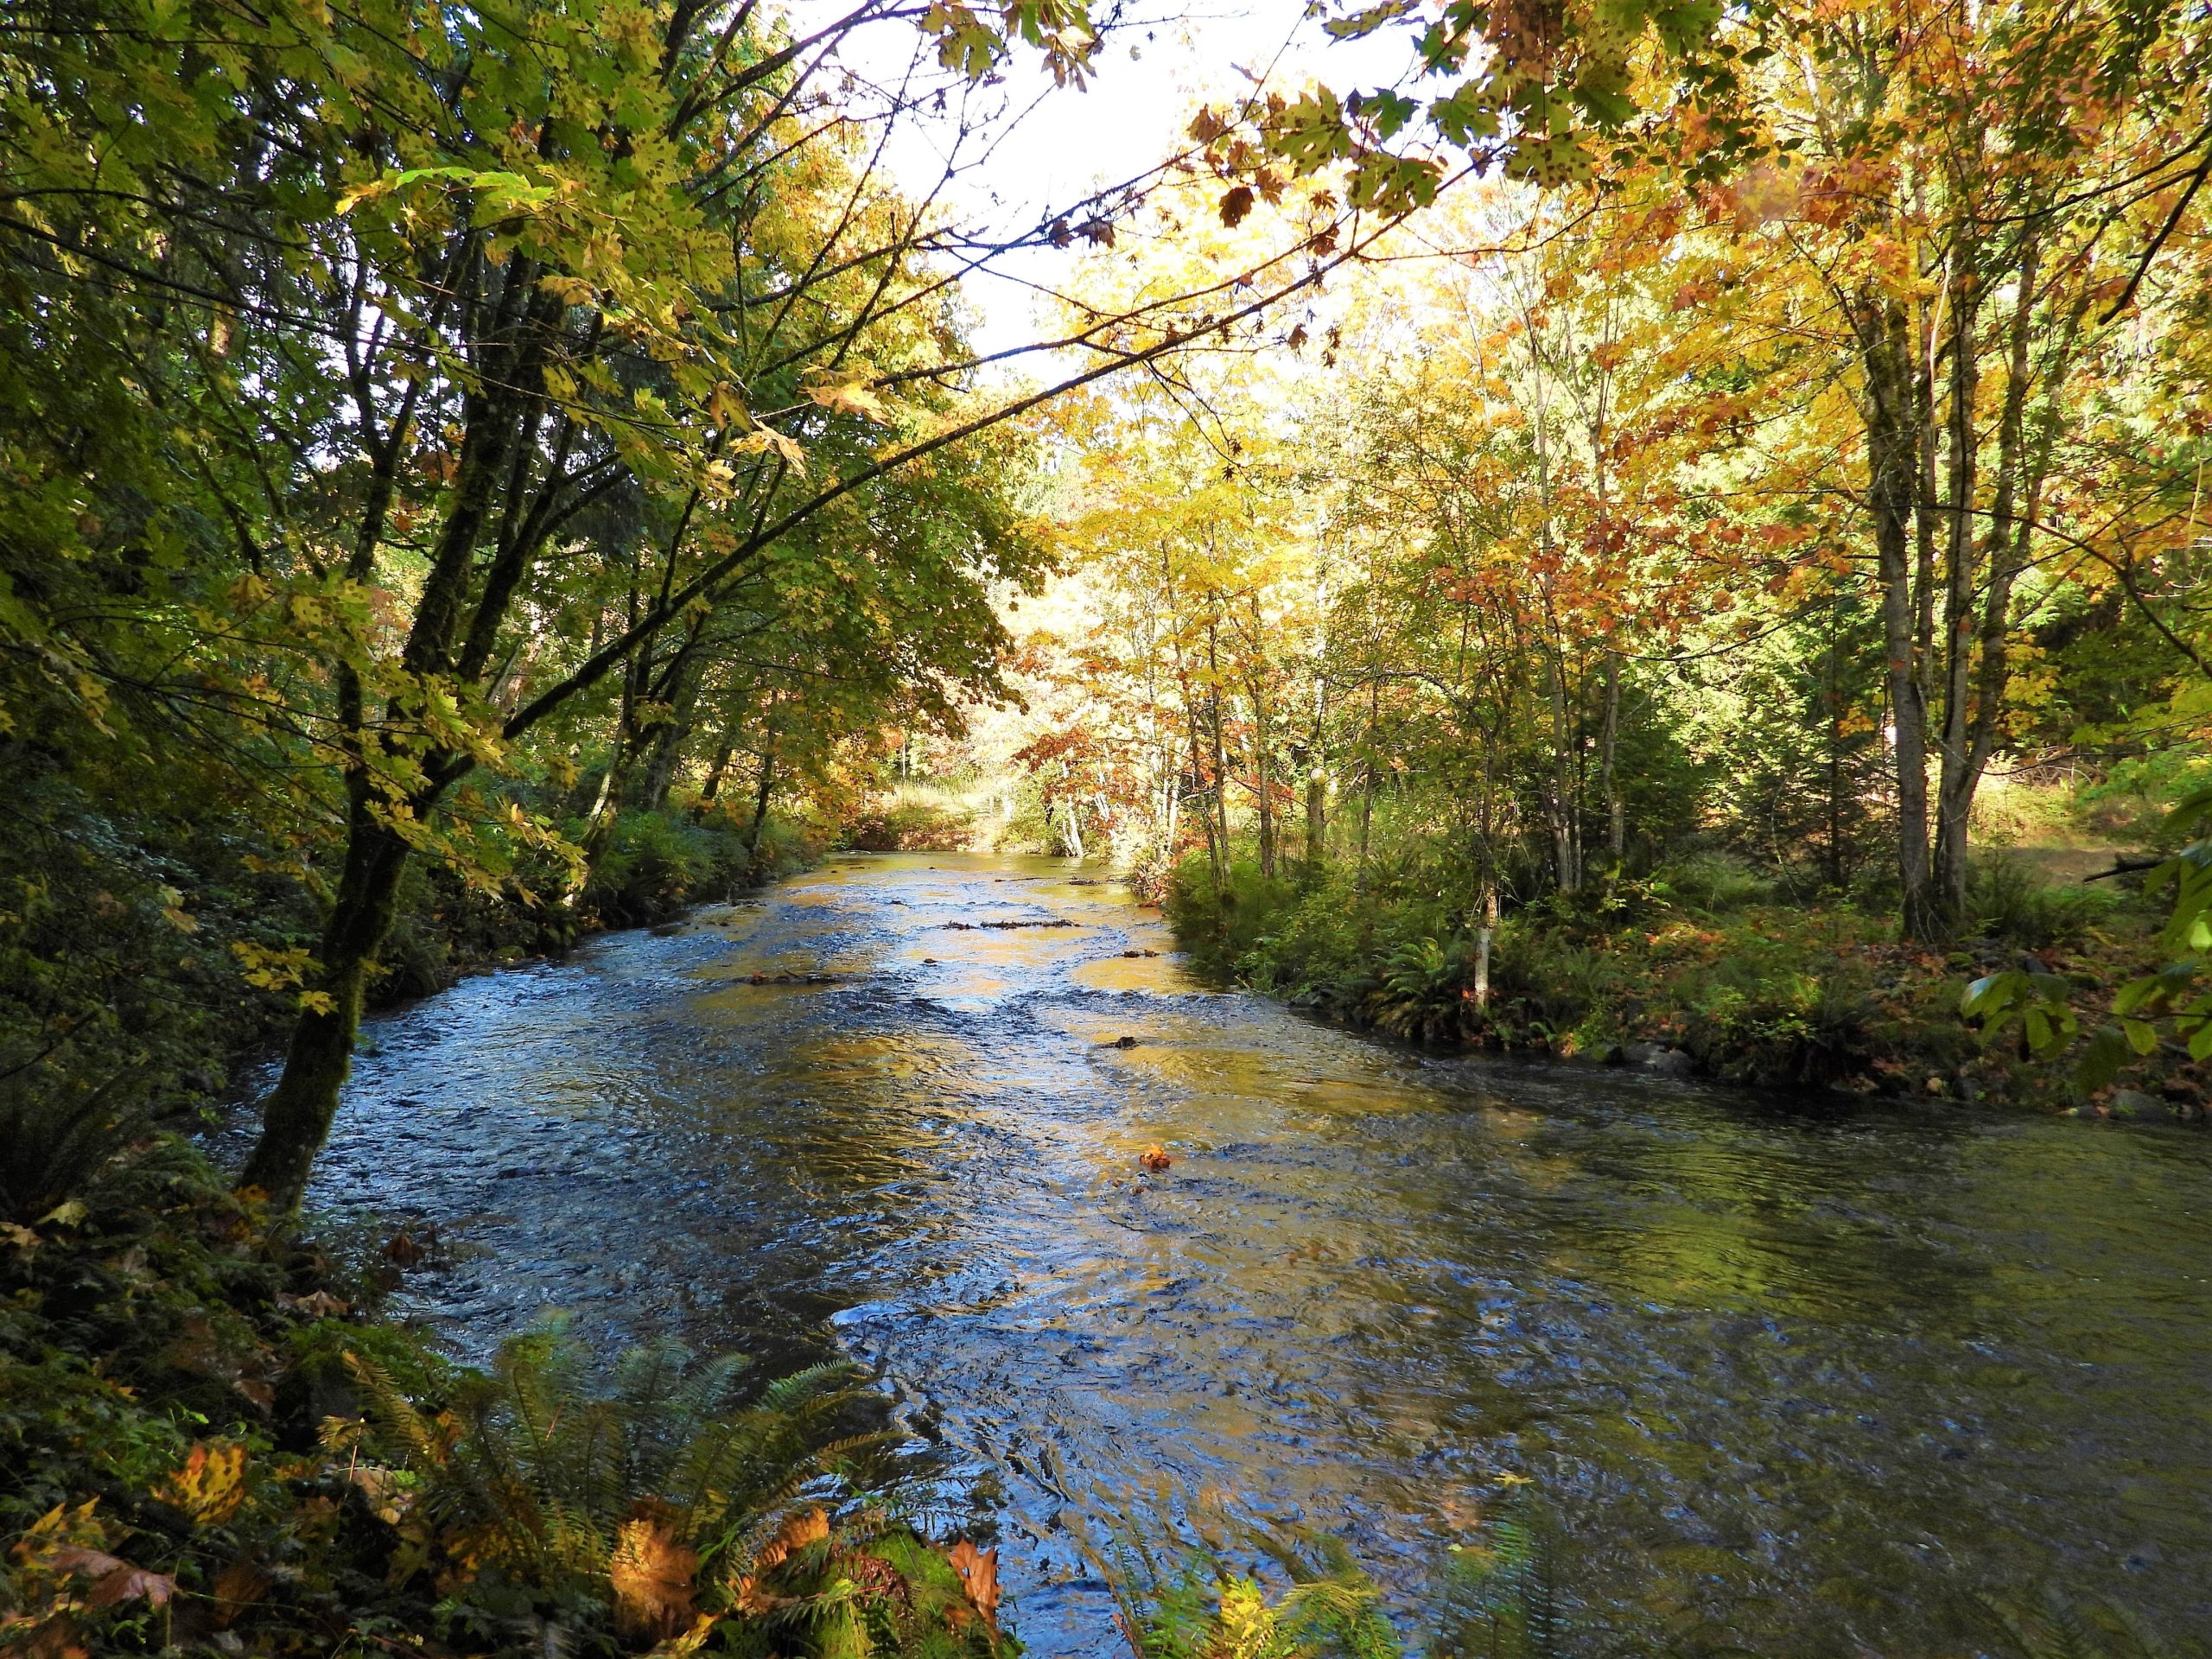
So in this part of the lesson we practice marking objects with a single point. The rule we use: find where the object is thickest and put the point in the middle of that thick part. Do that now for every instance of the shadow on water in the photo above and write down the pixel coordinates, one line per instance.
(1816, 1375)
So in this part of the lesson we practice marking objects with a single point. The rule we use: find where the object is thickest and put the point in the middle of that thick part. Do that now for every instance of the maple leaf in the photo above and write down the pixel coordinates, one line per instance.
(211, 1485)
(237, 1588)
(114, 1580)
(979, 1576)
(1235, 204)
(762, 439)
(850, 398)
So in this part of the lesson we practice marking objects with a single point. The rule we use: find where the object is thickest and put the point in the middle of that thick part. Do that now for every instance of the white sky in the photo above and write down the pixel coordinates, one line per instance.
(1048, 147)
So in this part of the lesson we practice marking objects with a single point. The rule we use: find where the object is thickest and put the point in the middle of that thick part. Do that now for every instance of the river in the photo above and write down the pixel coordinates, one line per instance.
(1815, 1374)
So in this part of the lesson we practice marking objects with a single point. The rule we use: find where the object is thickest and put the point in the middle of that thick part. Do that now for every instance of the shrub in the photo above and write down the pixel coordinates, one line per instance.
(913, 821)
(785, 846)
(655, 864)
(1546, 984)
(657, 1509)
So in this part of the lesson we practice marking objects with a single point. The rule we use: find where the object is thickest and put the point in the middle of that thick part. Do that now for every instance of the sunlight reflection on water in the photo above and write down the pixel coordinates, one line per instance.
(1815, 1373)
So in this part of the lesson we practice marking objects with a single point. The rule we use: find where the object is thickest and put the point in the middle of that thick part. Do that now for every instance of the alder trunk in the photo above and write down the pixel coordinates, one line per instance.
(1893, 462)
(297, 1115)
(1979, 663)
(1958, 775)
(1608, 773)
(1263, 778)
(1566, 847)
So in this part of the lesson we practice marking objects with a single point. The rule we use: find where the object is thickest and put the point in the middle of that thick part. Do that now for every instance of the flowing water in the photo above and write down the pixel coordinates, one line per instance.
(1818, 1374)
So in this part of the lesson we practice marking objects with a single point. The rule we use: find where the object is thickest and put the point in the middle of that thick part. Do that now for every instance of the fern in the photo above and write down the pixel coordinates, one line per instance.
(599, 1518)
(1501, 1601)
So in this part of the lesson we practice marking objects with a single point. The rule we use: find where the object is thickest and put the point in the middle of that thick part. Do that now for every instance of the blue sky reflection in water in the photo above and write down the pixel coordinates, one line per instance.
(1815, 1374)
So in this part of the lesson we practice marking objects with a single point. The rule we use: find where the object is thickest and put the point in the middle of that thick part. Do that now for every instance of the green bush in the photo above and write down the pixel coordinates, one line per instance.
(786, 847)
(912, 822)
(1545, 983)
(655, 864)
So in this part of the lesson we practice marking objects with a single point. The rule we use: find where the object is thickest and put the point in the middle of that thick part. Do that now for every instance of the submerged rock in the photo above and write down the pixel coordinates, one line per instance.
(1652, 1057)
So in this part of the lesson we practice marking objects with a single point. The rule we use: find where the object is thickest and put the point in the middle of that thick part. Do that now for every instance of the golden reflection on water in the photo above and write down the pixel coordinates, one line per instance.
(1825, 1370)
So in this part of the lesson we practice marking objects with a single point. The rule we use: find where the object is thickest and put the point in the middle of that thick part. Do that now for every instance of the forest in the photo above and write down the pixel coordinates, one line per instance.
(1661, 549)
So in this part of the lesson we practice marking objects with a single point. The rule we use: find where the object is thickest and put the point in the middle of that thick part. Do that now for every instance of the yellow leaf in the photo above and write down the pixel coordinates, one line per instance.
(211, 1485)
(762, 439)
(851, 398)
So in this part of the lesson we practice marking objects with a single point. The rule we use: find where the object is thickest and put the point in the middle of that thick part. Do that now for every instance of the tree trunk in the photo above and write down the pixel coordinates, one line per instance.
(1263, 790)
(663, 749)
(1961, 576)
(297, 1117)
(760, 802)
(724, 751)
(1484, 933)
(1893, 464)
(1609, 774)
(1978, 686)
(1833, 701)
(1566, 852)
(1317, 823)
(1367, 791)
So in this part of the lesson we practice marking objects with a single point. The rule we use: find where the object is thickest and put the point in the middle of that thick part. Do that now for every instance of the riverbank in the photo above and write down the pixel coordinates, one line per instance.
(212, 1440)
(145, 963)
(1699, 969)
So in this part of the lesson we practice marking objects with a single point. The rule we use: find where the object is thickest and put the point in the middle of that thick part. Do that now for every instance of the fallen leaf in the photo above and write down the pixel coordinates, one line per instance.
(797, 1531)
(114, 1580)
(691, 1642)
(237, 1588)
(979, 1576)
(1154, 1158)
(402, 1250)
(316, 1305)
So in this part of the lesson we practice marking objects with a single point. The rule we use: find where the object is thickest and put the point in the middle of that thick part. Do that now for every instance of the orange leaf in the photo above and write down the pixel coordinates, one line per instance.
(651, 1575)
(979, 1576)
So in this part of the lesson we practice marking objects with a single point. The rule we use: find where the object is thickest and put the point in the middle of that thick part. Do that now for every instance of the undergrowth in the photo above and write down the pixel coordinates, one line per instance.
(208, 1441)
(1704, 961)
